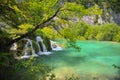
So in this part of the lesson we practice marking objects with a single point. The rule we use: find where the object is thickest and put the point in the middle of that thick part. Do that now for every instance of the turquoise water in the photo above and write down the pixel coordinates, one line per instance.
(93, 62)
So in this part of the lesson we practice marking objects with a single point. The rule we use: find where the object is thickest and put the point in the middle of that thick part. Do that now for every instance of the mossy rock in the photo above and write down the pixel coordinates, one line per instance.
(47, 43)
(35, 46)
(20, 47)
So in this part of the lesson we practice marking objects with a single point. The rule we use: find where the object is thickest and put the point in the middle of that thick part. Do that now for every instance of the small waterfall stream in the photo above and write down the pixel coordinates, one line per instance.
(29, 51)
(54, 46)
(37, 42)
(39, 39)
(14, 46)
(25, 49)
(32, 49)
(44, 48)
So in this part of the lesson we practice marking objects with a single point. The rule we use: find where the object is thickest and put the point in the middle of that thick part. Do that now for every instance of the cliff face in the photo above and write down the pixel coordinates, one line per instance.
(110, 8)
(110, 15)
(105, 17)
(116, 18)
(110, 12)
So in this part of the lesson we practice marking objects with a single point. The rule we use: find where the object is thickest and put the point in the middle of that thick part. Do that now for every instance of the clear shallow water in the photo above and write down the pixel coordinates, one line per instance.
(93, 62)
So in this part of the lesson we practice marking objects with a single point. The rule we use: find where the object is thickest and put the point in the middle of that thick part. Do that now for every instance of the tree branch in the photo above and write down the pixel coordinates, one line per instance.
(41, 25)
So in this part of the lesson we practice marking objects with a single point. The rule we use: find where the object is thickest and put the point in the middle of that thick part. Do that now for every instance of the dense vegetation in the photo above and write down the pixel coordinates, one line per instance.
(84, 31)
(53, 19)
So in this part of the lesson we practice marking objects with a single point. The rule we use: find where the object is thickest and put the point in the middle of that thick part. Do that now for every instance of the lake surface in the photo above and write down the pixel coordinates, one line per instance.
(93, 62)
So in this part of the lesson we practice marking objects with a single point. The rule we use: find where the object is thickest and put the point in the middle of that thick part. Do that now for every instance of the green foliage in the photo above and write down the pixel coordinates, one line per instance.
(95, 10)
(31, 69)
(91, 33)
(35, 46)
(4, 39)
(100, 36)
(22, 29)
(74, 8)
(110, 4)
(50, 33)
(114, 5)
(82, 31)
(39, 32)
(80, 28)
(116, 66)
(4, 60)
(6, 64)
(68, 33)
(23, 15)
(106, 32)
(117, 37)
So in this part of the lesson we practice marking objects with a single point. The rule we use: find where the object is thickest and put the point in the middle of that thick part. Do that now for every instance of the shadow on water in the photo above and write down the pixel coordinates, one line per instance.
(93, 61)
(64, 57)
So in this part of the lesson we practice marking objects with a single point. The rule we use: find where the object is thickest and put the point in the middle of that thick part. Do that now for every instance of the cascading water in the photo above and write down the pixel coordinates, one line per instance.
(14, 47)
(37, 42)
(54, 46)
(27, 49)
(44, 51)
(39, 39)
(33, 51)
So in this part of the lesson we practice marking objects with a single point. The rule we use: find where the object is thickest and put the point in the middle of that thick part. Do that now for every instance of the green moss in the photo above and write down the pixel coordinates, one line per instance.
(47, 43)
(35, 46)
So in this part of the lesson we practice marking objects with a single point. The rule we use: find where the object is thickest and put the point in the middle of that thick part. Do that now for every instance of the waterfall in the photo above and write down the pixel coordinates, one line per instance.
(39, 49)
(14, 47)
(31, 46)
(27, 49)
(39, 39)
(44, 51)
(54, 46)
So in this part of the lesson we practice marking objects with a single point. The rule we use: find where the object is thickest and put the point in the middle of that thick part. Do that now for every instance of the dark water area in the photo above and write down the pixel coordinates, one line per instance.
(93, 62)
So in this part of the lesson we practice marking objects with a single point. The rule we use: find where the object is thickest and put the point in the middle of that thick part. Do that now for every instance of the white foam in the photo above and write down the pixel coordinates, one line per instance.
(45, 53)
(55, 46)
(25, 57)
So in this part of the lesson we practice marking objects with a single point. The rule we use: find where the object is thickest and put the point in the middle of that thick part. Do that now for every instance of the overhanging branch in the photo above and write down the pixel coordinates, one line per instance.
(41, 25)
